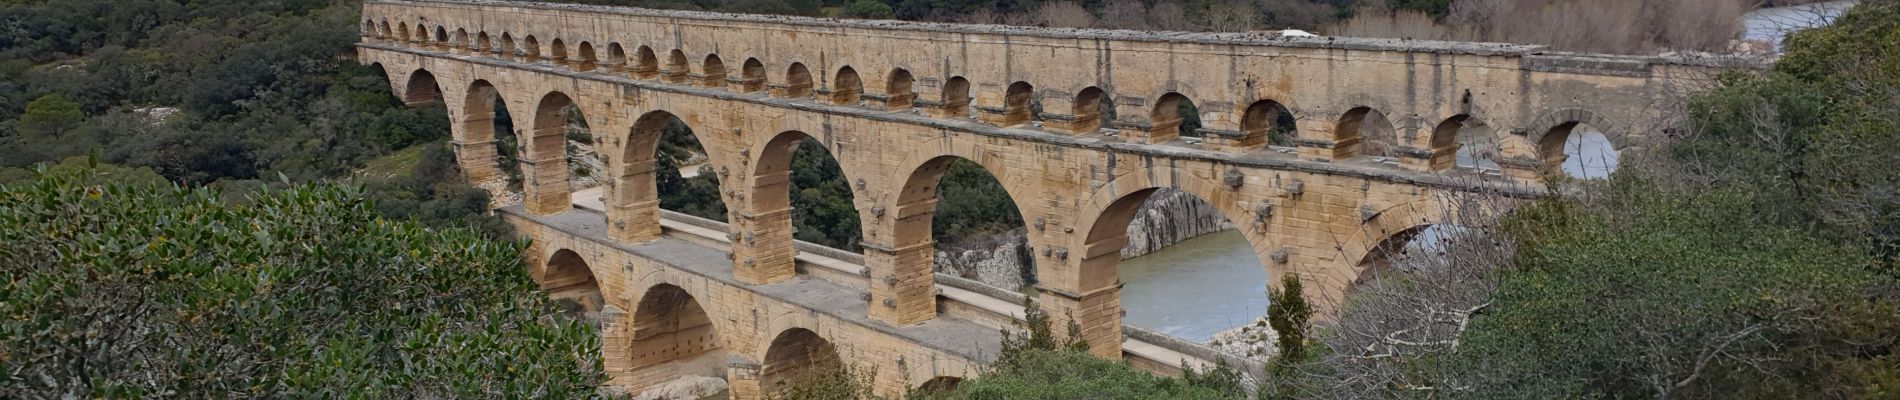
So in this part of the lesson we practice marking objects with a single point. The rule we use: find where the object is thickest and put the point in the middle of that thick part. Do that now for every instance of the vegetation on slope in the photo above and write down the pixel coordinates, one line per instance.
(149, 290)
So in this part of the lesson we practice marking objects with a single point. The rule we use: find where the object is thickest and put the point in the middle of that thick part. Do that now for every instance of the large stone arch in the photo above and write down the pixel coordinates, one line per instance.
(634, 211)
(1365, 130)
(1396, 220)
(794, 353)
(568, 276)
(476, 149)
(421, 89)
(1088, 289)
(544, 154)
(1546, 136)
(671, 335)
(766, 253)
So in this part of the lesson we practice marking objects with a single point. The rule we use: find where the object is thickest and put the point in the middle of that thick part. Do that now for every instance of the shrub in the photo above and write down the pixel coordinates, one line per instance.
(121, 290)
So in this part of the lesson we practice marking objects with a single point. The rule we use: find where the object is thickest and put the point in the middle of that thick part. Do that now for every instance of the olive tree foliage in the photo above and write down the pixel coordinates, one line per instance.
(139, 290)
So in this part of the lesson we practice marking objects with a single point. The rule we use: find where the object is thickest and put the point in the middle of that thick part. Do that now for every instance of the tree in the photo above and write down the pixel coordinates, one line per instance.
(123, 291)
(49, 116)
(869, 9)
(1289, 315)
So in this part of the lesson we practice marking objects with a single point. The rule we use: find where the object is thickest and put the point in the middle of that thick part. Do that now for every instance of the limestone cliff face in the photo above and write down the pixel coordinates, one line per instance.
(1003, 260)
(1170, 217)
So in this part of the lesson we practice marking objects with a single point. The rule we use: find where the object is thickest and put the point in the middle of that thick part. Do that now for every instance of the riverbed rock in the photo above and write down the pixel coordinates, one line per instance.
(684, 387)
(1253, 340)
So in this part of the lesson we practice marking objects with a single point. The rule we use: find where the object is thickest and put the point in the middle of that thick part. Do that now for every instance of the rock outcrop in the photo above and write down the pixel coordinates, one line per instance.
(1170, 217)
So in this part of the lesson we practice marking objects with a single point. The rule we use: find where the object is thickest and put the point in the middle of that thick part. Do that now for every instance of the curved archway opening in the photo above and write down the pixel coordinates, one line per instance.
(559, 149)
(664, 160)
(956, 97)
(1018, 104)
(570, 283)
(645, 63)
(676, 70)
(968, 222)
(422, 34)
(584, 57)
(846, 87)
(673, 337)
(797, 81)
(369, 30)
(1175, 115)
(1365, 131)
(483, 43)
(488, 152)
(421, 90)
(1578, 150)
(1267, 122)
(531, 48)
(1093, 110)
(460, 41)
(1183, 268)
(798, 363)
(1406, 248)
(938, 386)
(751, 76)
(441, 36)
(1470, 143)
(403, 31)
(797, 171)
(713, 72)
(507, 47)
(899, 90)
(557, 51)
(616, 56)
(383, 28)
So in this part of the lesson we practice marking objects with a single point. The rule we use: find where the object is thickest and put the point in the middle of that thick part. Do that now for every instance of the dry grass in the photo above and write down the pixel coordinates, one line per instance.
(1597, 26)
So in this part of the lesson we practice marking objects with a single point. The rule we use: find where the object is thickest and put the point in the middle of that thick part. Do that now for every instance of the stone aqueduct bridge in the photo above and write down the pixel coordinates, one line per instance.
(894, 102)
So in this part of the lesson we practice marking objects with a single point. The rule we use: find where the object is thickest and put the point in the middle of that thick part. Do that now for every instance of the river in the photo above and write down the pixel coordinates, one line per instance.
(1770, 25)
(1195, 288)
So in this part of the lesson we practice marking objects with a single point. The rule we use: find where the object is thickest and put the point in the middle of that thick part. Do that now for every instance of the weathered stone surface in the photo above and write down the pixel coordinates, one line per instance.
(628, 70)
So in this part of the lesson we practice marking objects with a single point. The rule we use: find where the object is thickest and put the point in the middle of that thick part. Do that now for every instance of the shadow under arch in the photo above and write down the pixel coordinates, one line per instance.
(566, 277)
(671, 335)
(956, 97)
(421, 89)
(846, 87)
(1364, 131)
(797, 81)
(796, 358)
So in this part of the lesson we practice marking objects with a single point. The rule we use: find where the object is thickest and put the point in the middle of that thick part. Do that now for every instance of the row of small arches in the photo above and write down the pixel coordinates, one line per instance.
(1457, 141)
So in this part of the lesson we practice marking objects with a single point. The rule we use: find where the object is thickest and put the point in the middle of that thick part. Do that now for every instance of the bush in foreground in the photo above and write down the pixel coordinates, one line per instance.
(148, 291)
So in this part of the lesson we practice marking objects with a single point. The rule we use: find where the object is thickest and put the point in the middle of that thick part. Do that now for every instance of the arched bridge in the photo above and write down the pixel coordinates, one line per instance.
(1079, 126)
